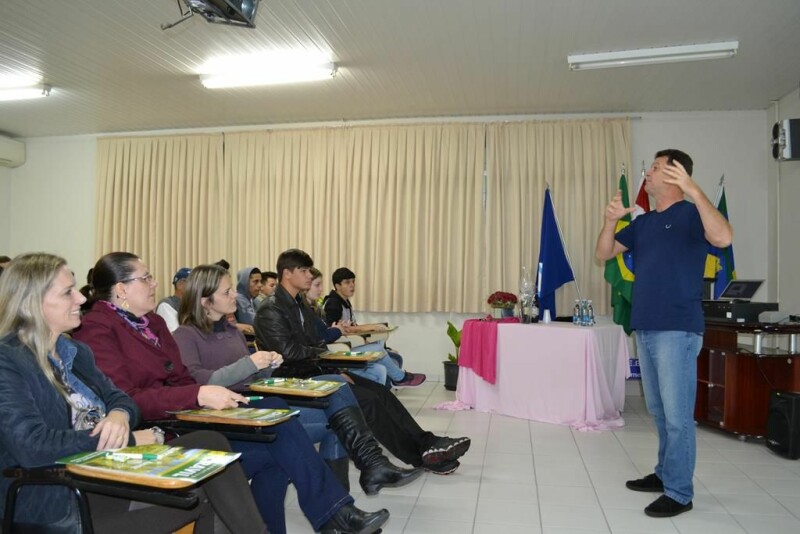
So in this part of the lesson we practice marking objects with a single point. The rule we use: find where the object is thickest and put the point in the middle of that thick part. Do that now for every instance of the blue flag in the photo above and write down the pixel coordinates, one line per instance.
(724, 269)
(554, 268)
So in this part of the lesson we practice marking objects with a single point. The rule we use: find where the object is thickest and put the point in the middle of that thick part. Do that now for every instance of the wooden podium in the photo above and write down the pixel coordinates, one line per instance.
(734, 379)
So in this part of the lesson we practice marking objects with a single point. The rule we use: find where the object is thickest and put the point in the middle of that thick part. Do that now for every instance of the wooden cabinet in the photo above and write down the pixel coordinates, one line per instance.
(734, 380)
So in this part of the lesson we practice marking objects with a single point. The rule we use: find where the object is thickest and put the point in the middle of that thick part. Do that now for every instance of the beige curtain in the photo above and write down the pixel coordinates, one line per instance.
(286, 192)
(399, 205)
(581, 161)
(161, 198)
(417, 202)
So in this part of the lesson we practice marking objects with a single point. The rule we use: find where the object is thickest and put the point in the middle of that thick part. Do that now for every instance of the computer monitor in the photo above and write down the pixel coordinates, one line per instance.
(740, 289)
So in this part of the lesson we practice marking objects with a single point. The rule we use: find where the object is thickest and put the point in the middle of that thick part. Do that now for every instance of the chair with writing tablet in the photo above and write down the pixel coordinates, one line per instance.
(80, 487)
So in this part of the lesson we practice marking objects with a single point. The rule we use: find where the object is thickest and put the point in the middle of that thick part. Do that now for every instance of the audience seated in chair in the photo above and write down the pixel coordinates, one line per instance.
(337, 309)
(214, 352)
(383, 371)
(133, 346)
(285, 324)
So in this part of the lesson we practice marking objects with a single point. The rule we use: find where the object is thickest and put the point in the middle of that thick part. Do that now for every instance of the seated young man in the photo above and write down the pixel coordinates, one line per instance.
(285, 324)
(269, 280)
(168, 307)
(337, 309)
(248, 287)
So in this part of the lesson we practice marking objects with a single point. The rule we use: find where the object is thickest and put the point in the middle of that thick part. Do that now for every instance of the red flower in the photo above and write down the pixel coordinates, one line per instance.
(502, 299)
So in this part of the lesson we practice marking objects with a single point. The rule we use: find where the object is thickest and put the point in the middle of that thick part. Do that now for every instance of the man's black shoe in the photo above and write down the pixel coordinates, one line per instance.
(350, 520)
(442, 468)
(667, 507)
(649, 483)
(443, 448)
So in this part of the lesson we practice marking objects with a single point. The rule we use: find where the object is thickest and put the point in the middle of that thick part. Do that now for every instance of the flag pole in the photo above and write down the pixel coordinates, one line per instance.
(719, 191)
(566, 251)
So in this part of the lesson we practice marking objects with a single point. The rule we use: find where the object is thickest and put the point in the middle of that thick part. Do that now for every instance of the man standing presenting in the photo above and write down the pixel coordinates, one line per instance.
(669, 246)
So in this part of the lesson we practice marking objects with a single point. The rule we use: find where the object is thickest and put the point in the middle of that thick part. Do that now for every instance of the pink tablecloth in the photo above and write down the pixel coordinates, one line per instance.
(479, 346)
(554, 373)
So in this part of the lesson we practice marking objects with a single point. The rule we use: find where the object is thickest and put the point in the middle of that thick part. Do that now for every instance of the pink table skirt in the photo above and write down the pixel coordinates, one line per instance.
(479, 346)
(554, 373)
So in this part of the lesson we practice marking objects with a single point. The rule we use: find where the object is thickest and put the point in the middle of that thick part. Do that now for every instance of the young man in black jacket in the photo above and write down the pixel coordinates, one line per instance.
(286, 325)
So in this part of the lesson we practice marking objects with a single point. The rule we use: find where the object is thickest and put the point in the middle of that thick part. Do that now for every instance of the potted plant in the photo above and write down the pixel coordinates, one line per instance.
(451, 364)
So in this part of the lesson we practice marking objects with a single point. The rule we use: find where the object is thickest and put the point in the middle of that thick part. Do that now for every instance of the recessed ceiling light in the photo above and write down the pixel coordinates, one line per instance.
(24, 93)
(270, 68)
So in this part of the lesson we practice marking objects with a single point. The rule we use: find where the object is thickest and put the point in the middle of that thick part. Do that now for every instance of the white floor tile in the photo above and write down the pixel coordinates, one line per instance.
(536, 478)
(507, 513)
(635, 521)
(566, 516)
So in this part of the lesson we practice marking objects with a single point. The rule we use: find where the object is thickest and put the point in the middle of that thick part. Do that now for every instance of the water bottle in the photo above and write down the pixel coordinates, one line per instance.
(584, 313)
(590, 313)
(576, 313)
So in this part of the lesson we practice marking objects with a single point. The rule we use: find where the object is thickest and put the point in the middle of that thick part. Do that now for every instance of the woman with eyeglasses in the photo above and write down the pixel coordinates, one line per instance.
(54, 402)
(134, 347)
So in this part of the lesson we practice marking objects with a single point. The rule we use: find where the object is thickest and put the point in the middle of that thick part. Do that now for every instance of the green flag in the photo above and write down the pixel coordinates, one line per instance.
(619, 271)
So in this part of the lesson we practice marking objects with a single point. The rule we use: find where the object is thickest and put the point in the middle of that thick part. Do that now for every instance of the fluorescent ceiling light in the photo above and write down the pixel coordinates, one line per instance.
(649, 56)
(24, 93)
(8, 81)
(271, 68)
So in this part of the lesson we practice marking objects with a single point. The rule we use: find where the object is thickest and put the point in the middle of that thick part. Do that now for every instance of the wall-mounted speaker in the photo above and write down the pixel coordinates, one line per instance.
(786, 139)
(783, 423)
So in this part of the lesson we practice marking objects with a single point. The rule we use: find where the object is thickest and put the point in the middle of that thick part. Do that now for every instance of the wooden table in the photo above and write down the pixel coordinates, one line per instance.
(226, 417)
(734, 379)
(297, 387)
(350, 356)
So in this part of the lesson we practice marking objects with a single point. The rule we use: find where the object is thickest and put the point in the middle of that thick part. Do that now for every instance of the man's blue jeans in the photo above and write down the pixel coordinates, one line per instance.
(668, 361)
(315, 420)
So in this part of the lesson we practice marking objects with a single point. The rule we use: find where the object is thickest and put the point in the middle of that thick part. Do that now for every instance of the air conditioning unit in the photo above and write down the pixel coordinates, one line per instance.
(786, 140)
(12, 153)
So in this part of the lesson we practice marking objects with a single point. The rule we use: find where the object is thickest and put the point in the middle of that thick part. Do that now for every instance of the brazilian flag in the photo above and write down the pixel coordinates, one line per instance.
(619, 271)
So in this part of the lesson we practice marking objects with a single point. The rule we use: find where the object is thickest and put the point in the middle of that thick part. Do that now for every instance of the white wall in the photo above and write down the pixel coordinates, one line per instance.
(51, 201)
(785, 177)
(5, 204)
(729, 143)
(51, 206)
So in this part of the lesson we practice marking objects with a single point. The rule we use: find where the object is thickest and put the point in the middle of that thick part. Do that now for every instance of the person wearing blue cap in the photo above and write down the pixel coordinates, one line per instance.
(168, 307)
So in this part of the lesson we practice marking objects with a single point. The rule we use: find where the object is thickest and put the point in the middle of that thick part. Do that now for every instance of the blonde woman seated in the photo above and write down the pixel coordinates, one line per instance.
(54, 402)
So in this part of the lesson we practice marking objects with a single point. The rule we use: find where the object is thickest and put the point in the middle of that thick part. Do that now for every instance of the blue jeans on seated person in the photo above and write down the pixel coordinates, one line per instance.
(315, 420)
(390, 367)
(292, 456)
(668, 361)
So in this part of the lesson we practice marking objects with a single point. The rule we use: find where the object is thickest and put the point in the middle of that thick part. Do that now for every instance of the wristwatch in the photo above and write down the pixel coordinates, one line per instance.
(158, 434)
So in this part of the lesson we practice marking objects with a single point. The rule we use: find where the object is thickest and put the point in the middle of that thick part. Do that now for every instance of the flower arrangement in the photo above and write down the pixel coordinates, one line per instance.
(501, 299)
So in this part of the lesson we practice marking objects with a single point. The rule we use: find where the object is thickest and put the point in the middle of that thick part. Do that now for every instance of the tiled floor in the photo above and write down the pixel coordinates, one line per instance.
(528, 477)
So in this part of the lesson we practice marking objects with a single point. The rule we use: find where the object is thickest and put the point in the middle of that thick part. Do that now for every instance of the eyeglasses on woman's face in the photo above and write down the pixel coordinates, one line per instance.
(147, 279)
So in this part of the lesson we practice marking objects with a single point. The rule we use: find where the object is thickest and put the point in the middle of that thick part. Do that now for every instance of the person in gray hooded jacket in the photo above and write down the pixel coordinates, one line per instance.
(248, 287)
